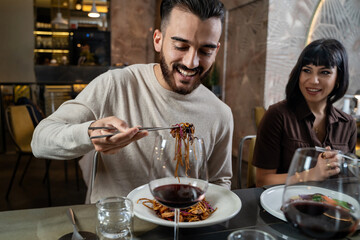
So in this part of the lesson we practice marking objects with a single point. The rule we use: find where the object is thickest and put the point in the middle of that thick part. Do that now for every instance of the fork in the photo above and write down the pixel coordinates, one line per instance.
(76, 235)
(116, 132)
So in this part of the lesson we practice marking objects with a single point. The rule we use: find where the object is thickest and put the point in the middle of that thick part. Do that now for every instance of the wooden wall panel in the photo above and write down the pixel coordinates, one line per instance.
(132, 25)
(244, 61)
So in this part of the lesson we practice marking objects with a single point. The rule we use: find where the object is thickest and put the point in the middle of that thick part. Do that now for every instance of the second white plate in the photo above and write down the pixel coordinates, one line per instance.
(271, 199)
(227, 202)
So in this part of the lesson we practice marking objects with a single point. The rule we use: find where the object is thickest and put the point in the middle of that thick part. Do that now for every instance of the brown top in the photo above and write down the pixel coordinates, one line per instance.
(282, 130)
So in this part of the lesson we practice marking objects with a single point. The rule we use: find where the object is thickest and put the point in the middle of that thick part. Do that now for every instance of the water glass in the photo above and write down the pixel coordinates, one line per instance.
(250, 234)
(114, 218)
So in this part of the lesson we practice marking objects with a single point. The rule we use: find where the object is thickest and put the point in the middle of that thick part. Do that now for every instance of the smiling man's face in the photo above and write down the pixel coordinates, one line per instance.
(188, 48)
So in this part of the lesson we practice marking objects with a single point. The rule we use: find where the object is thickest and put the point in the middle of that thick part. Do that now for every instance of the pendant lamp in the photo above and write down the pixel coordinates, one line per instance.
(94, 13)
(59, 19)
(78, 5)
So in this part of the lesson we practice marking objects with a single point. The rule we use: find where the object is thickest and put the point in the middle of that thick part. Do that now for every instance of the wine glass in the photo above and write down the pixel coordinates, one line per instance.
(322, 193)
(178, 182)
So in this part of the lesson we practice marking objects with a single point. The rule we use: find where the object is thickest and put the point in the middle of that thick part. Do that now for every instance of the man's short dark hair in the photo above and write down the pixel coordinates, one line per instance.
(323, 52)
(204, 9)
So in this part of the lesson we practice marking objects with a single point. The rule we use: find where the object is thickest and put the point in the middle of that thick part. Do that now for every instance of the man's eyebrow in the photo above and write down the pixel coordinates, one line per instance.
(179, 39)
(187, 41)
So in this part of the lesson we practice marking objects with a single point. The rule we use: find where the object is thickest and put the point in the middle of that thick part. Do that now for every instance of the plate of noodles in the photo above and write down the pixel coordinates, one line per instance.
(225, 203)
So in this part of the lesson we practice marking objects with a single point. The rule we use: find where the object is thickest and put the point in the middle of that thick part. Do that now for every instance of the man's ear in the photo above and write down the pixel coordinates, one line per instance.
(217, 47)
(157, 40)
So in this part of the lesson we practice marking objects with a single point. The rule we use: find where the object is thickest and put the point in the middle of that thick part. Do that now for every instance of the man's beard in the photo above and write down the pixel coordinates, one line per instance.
(171, 82)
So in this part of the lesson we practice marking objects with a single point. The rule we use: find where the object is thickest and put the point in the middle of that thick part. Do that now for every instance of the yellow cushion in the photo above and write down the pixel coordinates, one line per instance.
(22, 127)
(259, 113)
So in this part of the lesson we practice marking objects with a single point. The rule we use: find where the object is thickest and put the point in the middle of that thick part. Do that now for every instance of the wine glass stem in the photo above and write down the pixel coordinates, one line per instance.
(176, 226)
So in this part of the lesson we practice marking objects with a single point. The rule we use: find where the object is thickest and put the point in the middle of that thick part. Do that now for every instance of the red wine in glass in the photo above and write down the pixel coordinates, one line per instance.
(178, 184)
(320, 220)
(178, 195)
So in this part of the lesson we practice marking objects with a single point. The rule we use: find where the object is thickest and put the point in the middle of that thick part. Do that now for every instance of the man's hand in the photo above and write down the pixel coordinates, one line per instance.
(111, 145)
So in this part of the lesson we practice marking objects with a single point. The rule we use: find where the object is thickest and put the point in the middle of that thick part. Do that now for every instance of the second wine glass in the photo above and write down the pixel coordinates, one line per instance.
(178, 175)
(322, 193)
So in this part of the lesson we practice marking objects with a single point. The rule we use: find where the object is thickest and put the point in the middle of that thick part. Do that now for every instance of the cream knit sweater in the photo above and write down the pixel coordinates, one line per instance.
(134, 95)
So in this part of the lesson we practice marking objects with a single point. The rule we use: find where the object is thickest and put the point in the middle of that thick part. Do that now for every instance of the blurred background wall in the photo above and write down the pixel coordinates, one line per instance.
(261, 43)
(293, 24)
(17, 41)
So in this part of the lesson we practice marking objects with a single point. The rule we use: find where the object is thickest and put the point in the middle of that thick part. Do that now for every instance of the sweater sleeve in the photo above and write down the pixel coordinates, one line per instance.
(64, 134)
(220, 161)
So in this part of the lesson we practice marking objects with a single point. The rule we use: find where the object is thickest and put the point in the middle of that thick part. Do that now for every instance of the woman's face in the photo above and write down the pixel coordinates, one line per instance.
(317, 82)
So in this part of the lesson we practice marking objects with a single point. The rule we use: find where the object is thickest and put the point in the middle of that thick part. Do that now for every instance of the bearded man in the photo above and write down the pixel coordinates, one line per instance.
(148, 95)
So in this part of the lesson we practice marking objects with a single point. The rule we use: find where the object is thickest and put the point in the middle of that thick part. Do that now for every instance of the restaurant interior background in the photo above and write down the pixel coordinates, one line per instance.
(260, 44)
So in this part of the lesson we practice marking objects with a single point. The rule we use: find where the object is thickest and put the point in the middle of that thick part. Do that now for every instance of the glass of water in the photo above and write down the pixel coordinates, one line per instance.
(114, 218)
(250, 234)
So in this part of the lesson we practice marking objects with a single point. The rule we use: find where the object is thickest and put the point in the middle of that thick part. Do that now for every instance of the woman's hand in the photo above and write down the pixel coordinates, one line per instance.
(112, 144)
(327, 165)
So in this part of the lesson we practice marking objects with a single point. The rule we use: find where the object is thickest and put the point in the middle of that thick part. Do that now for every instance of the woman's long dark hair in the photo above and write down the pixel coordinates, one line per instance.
(323, 52)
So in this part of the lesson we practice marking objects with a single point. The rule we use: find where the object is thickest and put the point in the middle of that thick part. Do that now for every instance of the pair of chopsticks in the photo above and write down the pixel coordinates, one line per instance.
(116, 132)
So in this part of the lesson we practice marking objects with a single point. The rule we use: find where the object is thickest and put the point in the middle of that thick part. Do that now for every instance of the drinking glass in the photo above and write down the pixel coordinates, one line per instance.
(250, 234)
(178, 184)
(321, 194)
(114, 218)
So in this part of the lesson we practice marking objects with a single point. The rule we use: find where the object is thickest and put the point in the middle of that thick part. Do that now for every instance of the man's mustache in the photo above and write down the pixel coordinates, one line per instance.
(198, 70)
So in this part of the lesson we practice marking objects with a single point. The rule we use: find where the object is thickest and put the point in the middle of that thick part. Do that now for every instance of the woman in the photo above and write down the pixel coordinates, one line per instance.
(307, 117)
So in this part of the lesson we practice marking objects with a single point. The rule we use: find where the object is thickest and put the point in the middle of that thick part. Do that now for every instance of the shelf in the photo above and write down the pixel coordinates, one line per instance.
(51, 51)
(53, 33)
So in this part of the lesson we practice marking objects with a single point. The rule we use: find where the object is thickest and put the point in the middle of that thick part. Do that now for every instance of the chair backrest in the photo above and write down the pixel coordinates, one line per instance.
(258, 114)
(20, 126)
(35, 112)
(94, 168)
(93, 171)
(250, 178)
(251, 173)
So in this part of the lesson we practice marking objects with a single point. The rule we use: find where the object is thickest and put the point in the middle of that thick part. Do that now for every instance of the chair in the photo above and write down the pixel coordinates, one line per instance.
(91, 180)
(93, 171)
(250, 177)
(20, 124)
(259, 112)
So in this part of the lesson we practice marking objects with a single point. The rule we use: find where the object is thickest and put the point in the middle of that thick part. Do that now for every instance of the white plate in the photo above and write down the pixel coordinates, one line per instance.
(227, 202)
(271, 199)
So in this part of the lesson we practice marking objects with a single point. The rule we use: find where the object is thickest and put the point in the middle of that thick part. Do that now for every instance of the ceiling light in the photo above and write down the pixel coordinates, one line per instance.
(78, 5)
(94, 13)
(59, 19)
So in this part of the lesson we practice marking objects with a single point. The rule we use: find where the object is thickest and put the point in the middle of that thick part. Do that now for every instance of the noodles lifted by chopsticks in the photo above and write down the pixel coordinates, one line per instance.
(200, 211)
(184, 134)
